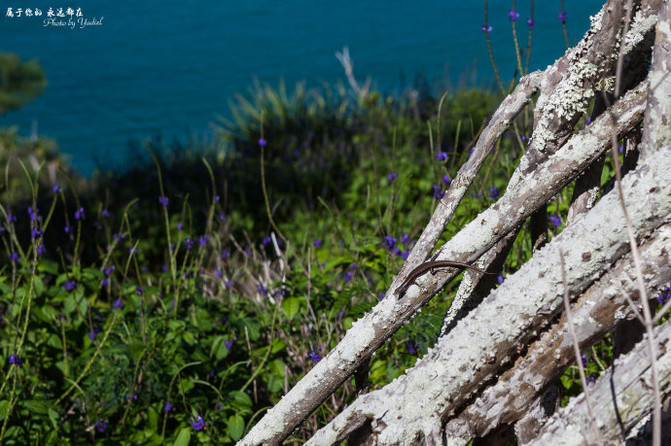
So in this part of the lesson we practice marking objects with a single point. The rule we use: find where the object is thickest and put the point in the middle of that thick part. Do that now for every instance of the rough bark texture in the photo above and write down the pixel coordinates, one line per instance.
(452, 379)
(628, 382)
(467, 357)
(596, 312)
(657, 127)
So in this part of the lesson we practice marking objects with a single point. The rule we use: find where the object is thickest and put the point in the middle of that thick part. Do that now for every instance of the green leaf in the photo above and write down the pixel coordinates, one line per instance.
(236, 427)
(241, 400)
(153, 418)
(183, 438)
(48, 266)
(4, 405)
(189, 338)
(36, 407)
(276, 367)
(291, 306)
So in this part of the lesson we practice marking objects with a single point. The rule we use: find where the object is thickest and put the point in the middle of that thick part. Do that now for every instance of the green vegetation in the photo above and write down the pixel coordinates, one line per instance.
(158, 305)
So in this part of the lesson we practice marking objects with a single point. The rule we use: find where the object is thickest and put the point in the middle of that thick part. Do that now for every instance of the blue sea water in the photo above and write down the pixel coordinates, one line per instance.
(170, 67)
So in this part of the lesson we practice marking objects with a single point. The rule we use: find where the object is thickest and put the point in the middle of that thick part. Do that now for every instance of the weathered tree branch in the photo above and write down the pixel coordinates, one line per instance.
(621, 398)
(547, 167)
(657, 124)
(470, 355)
(368, 333)
(596, 312)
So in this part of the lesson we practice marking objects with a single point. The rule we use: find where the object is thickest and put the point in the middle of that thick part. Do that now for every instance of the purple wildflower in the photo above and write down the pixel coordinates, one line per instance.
(15, 359)
(180, 226)
(36, 232)
(56, 189)
(562, 16)
(531, 23)
(105, 213)
(80, 214)
(197, 422)
(412, 347)
(317, 243)
(405, 239)
(34, 214)
(316, 357)
(389, 242)
(101, 425)
(588, 121)
(203, 240)
(93, 333)
(228, 344)
(70, 285)
(392, 176)
(494, 192)
(446, 179)
(266, 240)
(167, 407)
(584, 360)
(67, 229)
(500, 280)
(118, 305)
(163, 200)
(441, 156)
(225, 253)
(486, 28)
(188, 243)
(513, 15)
(556, 220)
(41, 249)
(263, 142)
(437, 193)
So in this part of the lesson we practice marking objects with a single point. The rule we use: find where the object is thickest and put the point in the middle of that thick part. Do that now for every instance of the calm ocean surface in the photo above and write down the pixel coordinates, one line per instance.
(171, 67)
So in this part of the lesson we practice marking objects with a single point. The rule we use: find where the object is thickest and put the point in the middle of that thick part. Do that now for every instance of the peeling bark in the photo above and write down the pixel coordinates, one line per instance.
(657, 124)
(596, 312)
(488, 338)
(628, 381)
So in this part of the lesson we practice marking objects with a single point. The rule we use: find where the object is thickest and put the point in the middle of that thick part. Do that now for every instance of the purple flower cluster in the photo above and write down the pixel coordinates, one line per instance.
(390, 243)
(197, 422)
(80, 214)
(316, 357)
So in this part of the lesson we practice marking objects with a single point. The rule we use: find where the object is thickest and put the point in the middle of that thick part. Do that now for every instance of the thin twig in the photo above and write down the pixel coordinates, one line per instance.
(576, 348)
